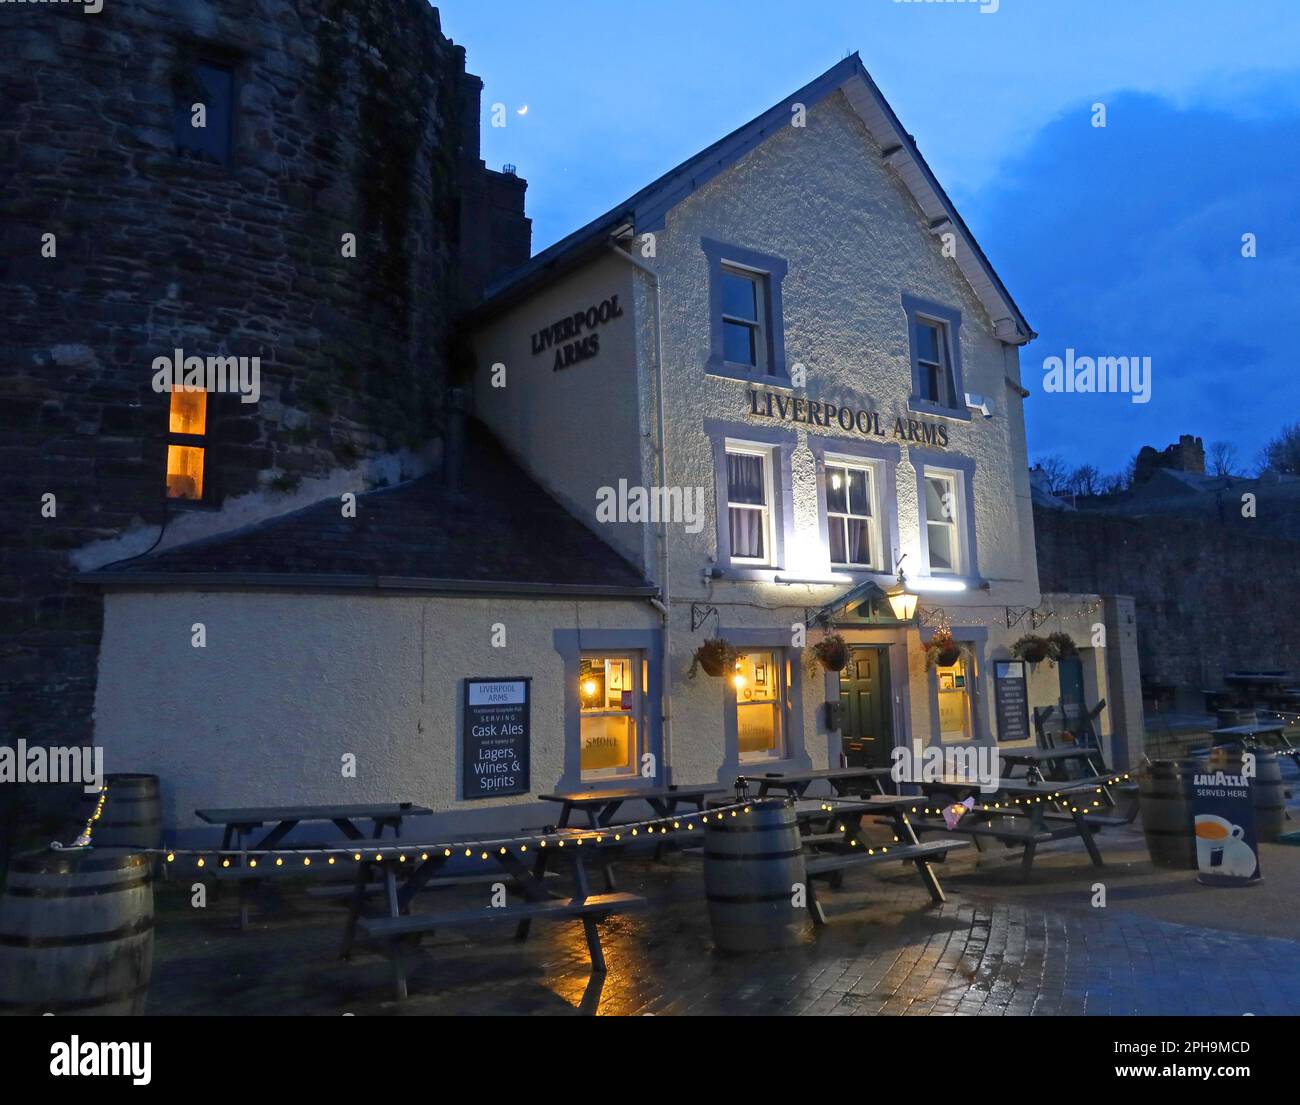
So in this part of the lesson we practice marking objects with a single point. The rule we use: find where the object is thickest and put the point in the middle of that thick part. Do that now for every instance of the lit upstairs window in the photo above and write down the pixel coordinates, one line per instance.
(186, 430)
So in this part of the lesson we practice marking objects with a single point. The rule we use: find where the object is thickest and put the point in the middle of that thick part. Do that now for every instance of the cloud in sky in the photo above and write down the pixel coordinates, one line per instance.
(1128, 241)
(1113, 241)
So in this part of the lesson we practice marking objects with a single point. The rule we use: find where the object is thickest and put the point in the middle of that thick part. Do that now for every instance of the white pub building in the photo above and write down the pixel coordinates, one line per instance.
(777, 395)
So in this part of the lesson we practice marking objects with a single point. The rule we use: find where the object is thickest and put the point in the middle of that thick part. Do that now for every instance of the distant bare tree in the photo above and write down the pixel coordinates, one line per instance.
(1223, 459)
(1282, 454)
(1054, 472)
(1085, 480)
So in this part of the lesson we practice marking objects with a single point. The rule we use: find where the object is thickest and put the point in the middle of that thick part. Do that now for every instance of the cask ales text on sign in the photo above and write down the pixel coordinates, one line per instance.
(1011, 697)
(494, 743)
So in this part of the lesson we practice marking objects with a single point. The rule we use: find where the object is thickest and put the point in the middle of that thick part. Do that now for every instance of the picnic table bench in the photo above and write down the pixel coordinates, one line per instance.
(835, 835)
(844, 781)
(1048, 809)
(240, 825)
(1254, 736)
(402, 881)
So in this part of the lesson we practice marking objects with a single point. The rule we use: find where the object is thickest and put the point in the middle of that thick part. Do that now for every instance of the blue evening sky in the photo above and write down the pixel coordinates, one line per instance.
(1123, 240)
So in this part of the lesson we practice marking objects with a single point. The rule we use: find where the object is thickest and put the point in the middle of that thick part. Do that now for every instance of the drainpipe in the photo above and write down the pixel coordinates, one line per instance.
(661, 532)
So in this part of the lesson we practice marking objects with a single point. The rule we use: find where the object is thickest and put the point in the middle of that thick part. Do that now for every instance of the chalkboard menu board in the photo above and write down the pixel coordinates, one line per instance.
(494, 744)
(1012, 697)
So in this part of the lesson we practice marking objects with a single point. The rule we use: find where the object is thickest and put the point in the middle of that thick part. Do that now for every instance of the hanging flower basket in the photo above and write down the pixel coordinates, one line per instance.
(1061, 646)
(1031, 648)
(941, 650)
(832, 651)
(715, 656)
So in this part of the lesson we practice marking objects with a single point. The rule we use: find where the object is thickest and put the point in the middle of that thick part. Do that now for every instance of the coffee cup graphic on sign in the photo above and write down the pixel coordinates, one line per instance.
(1213, 835)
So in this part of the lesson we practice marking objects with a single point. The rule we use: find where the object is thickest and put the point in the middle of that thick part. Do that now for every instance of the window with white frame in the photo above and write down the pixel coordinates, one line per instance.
(852, 517)
(760, 681)
(744, 329)
(933, 363)
(943, 522)
(609, 714)
(749, 504)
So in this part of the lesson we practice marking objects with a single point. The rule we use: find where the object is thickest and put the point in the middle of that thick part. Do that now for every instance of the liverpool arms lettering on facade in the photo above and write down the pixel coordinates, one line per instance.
(768, 404)
(570, 327)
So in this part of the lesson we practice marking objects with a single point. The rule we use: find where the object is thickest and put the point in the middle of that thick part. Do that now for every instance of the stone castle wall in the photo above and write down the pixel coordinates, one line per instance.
(1210, 597)
(351, 118)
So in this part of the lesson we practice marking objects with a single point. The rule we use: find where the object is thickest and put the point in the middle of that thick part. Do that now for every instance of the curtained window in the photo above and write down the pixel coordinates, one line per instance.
(749, 513)
(851, 516)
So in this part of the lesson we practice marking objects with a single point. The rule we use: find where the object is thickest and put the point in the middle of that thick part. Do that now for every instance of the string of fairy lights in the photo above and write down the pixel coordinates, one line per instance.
(557, 840)
(403, 852)
(1062, 796)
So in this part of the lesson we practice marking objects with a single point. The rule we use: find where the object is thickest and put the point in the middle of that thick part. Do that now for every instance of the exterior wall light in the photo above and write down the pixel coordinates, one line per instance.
(902, 601)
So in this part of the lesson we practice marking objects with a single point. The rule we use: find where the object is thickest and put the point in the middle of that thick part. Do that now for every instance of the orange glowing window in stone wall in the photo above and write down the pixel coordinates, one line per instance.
(187, 422)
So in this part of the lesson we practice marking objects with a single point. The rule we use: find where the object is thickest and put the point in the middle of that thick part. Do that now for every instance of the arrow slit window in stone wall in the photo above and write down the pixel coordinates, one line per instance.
(186, 429)
(205, 111)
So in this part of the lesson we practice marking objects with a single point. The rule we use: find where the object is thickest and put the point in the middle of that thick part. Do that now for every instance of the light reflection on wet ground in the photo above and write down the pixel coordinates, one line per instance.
(997, 947)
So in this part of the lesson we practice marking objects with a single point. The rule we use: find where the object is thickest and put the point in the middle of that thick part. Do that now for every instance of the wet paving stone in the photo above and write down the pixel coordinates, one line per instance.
(886, 952)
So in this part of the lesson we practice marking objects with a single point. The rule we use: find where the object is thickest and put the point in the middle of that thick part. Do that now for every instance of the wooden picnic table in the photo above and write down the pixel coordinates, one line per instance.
(1260, 678)
(1039, 762)
(1254, 735)
(525, 873)
(834, 831)
(1048, 807)
(601, 806)
(844, 781)
(241, 824)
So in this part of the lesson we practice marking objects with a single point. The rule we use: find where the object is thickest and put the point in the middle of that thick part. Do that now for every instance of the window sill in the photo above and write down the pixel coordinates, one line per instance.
(934, 410)
(740, 573)
(861, 575)
(617, 782)
(972, 583)
(725, 370)
(195, 505)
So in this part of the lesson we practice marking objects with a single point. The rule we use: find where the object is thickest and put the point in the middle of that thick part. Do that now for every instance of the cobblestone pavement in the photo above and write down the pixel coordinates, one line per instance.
(996, 947)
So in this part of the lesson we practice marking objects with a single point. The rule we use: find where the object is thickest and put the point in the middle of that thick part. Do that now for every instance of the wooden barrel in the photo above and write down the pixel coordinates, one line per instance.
(132, 815)
(753, 869)
(76, 933)
(1165, 798)
(1266, 787)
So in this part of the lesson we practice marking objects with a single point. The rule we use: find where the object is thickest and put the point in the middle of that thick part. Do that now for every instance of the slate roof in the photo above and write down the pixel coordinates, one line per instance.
(645, 211)
(501, 532)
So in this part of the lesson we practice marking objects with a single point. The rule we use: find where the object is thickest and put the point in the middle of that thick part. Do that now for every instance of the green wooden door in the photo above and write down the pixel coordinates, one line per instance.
(864, 708)
(1071, 670)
